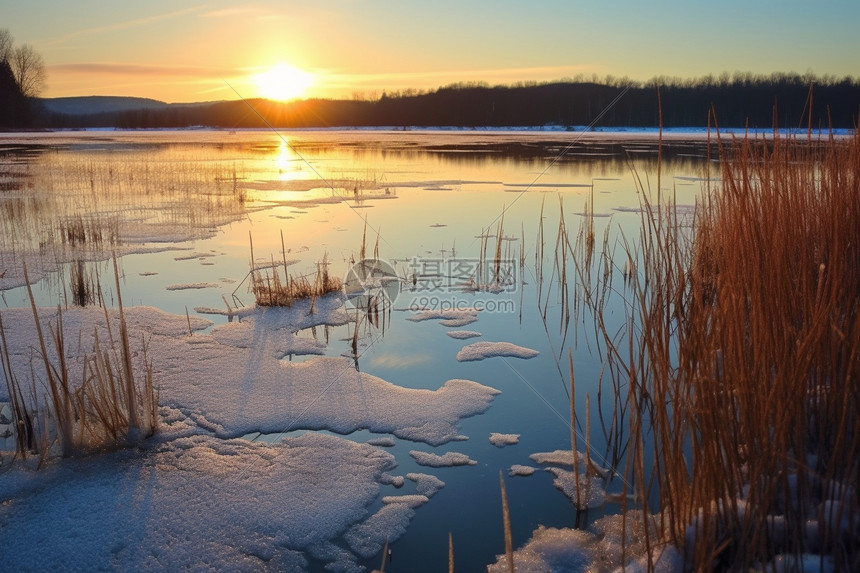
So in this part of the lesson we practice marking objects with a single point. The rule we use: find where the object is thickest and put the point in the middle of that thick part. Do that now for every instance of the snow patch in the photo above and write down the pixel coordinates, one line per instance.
(482, 350)
(463, 334)
(502, 440)
(520, 470)
(436, 461)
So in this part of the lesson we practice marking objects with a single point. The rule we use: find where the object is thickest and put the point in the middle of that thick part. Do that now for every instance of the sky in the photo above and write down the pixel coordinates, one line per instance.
(177, 51)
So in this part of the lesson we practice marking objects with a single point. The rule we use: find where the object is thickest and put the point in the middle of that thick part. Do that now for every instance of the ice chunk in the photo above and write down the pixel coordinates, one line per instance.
(520, 470)
(463, 334)
(482, 350)
(436, 461)
(502, 440)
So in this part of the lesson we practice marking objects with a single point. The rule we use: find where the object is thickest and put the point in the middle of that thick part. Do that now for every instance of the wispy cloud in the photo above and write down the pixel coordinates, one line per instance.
(127, 24)
(118, 69)
(234, 12)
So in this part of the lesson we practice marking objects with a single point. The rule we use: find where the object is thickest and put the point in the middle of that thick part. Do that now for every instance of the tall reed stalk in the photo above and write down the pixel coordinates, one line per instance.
(744, 368)
(108, 405)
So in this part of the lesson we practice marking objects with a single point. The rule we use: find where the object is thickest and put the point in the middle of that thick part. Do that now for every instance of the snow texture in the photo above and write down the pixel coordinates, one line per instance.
(598, 548)
(436, 461)
(463, 334)
(502, 440)
(520, 470)
(191, 503)
(426, 484)
(482, 350)
(194, 497)
(447, 317)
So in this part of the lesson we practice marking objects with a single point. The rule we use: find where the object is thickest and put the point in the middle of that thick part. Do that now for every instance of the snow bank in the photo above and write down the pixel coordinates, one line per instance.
(482, 350)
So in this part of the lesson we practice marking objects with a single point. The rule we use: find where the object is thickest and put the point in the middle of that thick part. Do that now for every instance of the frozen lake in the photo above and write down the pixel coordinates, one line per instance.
(441, 210)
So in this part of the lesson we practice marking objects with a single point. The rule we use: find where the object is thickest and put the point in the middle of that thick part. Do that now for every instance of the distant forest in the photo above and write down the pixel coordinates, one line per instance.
(787, 100)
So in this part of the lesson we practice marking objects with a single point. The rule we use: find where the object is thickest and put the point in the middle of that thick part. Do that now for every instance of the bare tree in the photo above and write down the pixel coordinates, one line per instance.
(29, 69)
(6, 45)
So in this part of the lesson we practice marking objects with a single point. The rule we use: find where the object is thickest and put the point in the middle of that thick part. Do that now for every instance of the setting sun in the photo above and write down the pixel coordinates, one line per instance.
(283, 82)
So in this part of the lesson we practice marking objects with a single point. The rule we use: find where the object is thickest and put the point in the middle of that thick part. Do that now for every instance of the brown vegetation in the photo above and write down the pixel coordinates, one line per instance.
(743, 369)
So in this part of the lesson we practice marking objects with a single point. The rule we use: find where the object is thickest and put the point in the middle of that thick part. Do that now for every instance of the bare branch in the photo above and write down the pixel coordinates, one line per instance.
(29, 69)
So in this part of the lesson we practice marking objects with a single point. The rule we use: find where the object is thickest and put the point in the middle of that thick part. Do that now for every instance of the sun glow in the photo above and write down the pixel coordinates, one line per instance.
(283, 82)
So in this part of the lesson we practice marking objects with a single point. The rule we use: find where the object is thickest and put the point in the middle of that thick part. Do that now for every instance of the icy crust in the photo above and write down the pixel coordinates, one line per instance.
(258, 393)
(193, 497)
(198, 503)
(232, 382)
(485, 349)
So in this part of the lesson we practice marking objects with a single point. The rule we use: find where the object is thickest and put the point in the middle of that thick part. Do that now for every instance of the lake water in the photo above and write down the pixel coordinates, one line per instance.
(181, 209)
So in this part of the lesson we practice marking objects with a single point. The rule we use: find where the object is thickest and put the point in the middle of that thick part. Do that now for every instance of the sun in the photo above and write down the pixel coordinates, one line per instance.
(283, 82)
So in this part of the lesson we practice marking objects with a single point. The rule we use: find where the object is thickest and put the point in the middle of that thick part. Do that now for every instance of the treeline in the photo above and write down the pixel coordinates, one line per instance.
(14, 107)
(22, 76)
(789, 100)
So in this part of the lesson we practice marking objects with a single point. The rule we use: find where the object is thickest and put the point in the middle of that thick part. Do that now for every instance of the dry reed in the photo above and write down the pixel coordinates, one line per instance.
(743, 373)
(108, 406)
(270, 290)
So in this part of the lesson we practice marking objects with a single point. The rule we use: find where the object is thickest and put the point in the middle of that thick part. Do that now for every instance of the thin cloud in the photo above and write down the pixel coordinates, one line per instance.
(116, 69)
(233, 12)
(124, 25)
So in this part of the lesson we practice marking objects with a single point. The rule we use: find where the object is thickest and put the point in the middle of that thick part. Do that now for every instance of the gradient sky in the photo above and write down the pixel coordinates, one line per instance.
(178, 51)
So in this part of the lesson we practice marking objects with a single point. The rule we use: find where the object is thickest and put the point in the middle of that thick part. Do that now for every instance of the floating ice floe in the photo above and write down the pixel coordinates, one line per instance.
(463, 334)
(436, 461)
(191, 256)
(502, 440)
(191, 286)
(482, 350)
(584, 486)
(447, 317)
(520, 470)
